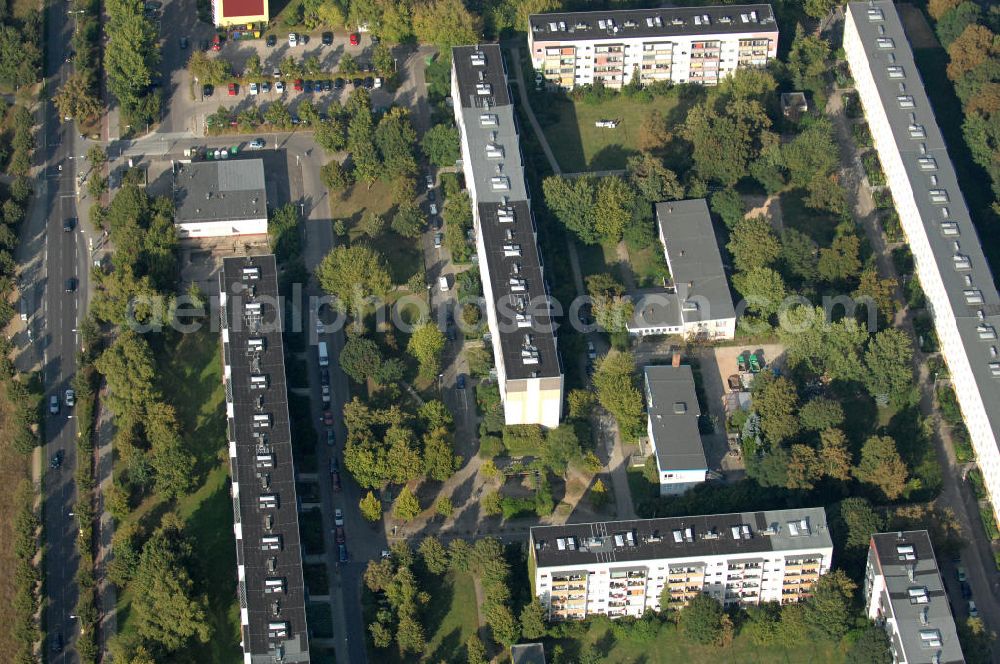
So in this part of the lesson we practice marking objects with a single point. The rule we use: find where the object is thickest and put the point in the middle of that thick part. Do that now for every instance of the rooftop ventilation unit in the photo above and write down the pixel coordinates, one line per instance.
(930, 638)
(677, 21)
(273, 586)
(255, 345)
(906, 101)
(522, 320)
(270, 543)
(939, 196)
(905, 552)
(265, 461)
(654, 22)
(494, 151)
(500, 183)
(793, 529)
(927, 163)
(735, 530)
(994, 369)
(571, 543)
(680, 408)
(918, 595)
(917, 131)
(962, 262)
(258, 382)
(484, 88)
(688, 534)
(478, 59)
(517, 285)
(678, 537)
(272, 562)
(277, 630)
(895, 71)
(630, 537)
(885, 42)
(505, 214)
(251, 273)
(267, 501)
(561, 543)
(489, 120)
(745, 531)
(875, 14)
(510, 250)
(973, 296)
(986, 332)
(261, 420)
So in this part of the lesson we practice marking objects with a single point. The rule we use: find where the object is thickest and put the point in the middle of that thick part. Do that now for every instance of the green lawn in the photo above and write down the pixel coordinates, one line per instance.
(580, 146)
(598, 258)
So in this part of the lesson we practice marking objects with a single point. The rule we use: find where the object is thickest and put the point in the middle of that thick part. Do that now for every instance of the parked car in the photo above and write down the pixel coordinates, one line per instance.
(340, 535)
(433, 208)
(232, 89)
(436, 223)
(338, 83)
(307, 85)
(57, 459)
(53, 404)
(355, 39)
(966, 590)
(438, 240)
(254, 89)
(431, 195)
(960, 572)
(328, 418)
(429, 179)
(973, 611)
(256, 144)
(275, 73)
(369, 82)
(327, 85)
(334, 464)
(450, 330)
(293, 39)
(272, 40)
(338, 517)
(216, 43)
(357, 83)
(327, 38)
(342, 553)
(386, 554)
(591, 351)
(460, 383)
(279, 87)
(335, 480)
(265, 86)
(297, 84)
(325, 394)
(69, 398)
(207, 90)
(324, 376)
(184, 43)
(331, 437)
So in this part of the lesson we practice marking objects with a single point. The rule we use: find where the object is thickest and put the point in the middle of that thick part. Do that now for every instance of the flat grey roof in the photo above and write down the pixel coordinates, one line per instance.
(219, 191)
(513, 263)
(673, 415)
(663, 22)
(527, 653)
(928, 168)
(243, 289)
(898, 555)
(656, 539)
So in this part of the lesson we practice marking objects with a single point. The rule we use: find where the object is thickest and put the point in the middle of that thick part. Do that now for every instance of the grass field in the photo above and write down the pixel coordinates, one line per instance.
(14, 469)
(580, 146)
(669, 647)
(191, 377)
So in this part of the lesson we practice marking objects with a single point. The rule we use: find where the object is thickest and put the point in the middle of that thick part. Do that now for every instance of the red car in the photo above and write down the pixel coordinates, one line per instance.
(335, 479)
(341, 536)
(232, 89)
(297, 84)
(328, 418)
(217, 43)
(355, 39)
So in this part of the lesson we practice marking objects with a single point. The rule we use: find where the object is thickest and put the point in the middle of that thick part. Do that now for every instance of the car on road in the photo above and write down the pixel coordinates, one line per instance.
(438, 240)
(256, 144)
(57, 642)
(71, 285)
(254, 89)
(436, 223)
(331, 437)
(433, 208)
(431, 195)
(70, 398)
(327, 85)
(960, 572)
(279, 87)
(69, 224)
(232, 89)
(327, 38)
(342, 553)
(355, 39)
(450, 331)
(272, 40)
(335, 480)
(334, 465)
(53, 404)
(429, 179)
(966, 590)
(57, 459)
(338, 517)
(207, 90)
(973, 611)
(325, 395)
(338, 83)
(460, 383)
(328, 418)
(297, 85)
(293, 39)
(591, 351)
(340, 535)
(324, 376)
(386, 555)
(183, 43)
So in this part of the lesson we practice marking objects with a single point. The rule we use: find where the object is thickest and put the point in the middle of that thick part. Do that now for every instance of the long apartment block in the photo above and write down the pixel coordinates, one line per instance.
(676, 44)
(518, 308)
(946, 249)
(621, 568)
(265, 507)
(904, 594)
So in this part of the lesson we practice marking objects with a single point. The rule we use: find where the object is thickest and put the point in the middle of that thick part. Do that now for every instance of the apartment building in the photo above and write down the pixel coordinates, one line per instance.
(905, 595)
(946, 248)
(672, 426)
(265, 507)
(227, 13)
(621, 568)
(518, 308)
(697, 303)
(676, 44)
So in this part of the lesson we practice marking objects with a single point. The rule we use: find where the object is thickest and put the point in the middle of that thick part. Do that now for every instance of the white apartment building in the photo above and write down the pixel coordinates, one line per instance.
(621, 568)
(676, 44)
(518, 309)
(946, 249)
(672, 426)
(905, 595)
(697, 304)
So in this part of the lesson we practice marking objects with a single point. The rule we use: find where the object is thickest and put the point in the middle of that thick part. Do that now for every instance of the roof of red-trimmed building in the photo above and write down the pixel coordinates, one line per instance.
(233, 8)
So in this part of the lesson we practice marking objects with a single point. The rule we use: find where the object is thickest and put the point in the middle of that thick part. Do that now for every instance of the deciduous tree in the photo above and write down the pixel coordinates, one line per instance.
(371, 507)
(353, 274)
(446, 23)
(882, 467)
(752, 243)
(440, 144)
(762, 288)
(406, 506)
(972, 47)
(775, 400)
(701, 620)
(615, 384)
(426, 345)
(652, 179)
(889, 374)
(434, 555)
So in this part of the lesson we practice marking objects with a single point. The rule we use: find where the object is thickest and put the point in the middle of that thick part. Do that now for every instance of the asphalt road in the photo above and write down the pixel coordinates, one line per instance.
(54, 327)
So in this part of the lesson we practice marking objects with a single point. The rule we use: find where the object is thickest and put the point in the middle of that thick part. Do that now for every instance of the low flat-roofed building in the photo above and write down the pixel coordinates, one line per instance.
(698, 304)
(527, 653)
(904, 594)
(672, 425)
(239, 12)
(220, 198)
(619, 568)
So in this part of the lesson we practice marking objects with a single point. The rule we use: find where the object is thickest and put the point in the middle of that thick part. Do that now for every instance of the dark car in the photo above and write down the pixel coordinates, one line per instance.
(327, 85)
(328, 418)
(184, 43)
(342, 553)
(340, 535)
(966, 590)
(338, 83)
(272, 40)
(369, 82)
(460, 383)
(450, 333)
(327, 38)
(334, 464)
(307, 86)
(57, 459)
(296, 120)
(335, 480)
(57, 643)
(207, 90)
(69, 224)
(357, 83)
(71, 285)
(431, 195)
(324, 376)
(331, 438)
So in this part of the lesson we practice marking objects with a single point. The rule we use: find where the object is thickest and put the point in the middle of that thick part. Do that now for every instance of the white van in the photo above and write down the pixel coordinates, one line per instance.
(443, 283)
